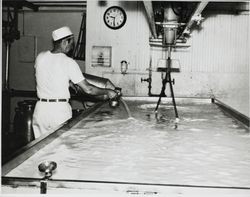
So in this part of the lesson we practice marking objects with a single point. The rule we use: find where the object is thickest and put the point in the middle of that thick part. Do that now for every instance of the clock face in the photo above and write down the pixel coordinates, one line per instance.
(115, 17)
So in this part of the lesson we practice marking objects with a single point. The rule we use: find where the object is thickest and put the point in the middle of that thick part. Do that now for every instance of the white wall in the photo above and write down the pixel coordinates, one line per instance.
(215, 64)
(128, 43)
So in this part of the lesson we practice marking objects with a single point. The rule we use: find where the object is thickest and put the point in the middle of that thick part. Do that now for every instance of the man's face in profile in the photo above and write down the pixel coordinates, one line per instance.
(71, 46)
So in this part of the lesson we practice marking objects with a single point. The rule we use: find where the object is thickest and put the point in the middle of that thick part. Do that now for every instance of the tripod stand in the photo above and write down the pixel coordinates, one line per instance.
(166, 80)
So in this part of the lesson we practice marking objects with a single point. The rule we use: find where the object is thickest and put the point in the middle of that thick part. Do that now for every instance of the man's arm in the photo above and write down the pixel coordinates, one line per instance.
(91, 89)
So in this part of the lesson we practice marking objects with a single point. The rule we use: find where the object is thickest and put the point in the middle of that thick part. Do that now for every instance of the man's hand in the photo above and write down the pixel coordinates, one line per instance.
(111, 94)
(73, 87)
(100, 93)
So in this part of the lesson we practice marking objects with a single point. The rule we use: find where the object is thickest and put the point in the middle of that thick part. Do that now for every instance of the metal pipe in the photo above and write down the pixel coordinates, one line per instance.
(200, 7)
(170, 81)
(150, 74)
(7, 65)
(172, 94)
(43, 186)
(150, 16)
(149, 80)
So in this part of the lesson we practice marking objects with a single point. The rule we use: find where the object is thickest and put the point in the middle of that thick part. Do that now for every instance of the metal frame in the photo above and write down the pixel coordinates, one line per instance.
(241, 118)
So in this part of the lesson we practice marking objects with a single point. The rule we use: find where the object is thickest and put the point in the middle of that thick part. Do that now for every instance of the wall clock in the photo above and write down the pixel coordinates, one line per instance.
(115, 17)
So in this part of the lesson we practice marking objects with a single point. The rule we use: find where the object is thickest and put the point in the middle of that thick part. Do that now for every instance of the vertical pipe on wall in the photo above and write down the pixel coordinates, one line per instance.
(150, 73)
(6, 98)
(7, 65)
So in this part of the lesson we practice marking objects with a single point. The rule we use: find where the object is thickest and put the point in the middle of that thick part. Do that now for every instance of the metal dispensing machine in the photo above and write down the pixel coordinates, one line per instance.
(170, 23)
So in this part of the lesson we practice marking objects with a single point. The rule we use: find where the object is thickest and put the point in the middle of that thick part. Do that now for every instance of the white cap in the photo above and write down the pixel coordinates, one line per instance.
(61, 33)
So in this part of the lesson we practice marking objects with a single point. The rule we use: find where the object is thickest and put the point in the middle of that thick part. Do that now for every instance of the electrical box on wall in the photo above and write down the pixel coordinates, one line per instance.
(101, 56)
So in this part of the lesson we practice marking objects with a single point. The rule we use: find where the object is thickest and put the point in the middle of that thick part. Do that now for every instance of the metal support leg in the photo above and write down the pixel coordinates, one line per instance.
(167, 80)
(164, 81)
(172, 95)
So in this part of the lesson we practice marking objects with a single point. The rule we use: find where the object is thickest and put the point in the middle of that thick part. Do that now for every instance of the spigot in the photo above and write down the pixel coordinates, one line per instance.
(147, 80)
(118, 91)
(46, 167)
(168, 81)
(114, 102)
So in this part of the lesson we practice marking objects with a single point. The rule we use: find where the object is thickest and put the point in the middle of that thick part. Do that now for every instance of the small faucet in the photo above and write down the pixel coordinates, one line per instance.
(147, 80)
(47, 167)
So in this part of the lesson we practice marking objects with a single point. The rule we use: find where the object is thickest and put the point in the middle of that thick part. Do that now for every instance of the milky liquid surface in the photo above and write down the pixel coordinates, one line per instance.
(205, 147)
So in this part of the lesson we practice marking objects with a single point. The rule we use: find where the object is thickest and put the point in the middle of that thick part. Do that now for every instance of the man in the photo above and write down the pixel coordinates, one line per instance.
(54, 72)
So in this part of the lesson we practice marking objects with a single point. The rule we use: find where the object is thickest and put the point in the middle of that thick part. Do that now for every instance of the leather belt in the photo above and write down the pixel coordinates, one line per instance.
(53, 100)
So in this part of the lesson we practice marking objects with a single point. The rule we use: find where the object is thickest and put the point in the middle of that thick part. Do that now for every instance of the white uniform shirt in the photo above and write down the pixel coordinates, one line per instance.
(53, 73)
